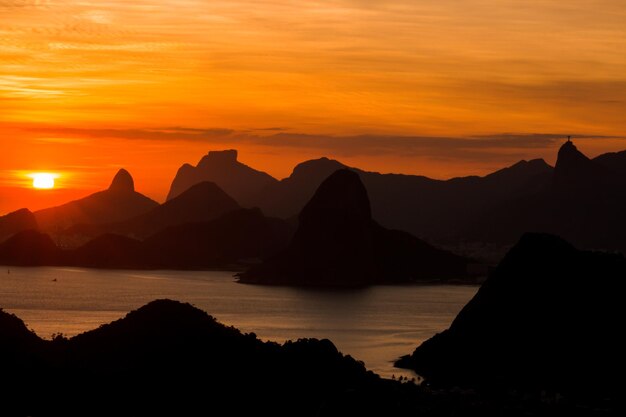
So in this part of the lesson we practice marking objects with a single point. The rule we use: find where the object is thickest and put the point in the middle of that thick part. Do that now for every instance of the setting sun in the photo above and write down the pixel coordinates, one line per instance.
(44, 181)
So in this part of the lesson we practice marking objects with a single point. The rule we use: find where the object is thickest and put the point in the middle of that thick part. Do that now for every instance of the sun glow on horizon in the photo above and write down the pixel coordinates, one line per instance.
(43, 180)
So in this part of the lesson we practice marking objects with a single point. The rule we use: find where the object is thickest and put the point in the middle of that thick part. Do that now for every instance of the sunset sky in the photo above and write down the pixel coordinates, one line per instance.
(434, 87)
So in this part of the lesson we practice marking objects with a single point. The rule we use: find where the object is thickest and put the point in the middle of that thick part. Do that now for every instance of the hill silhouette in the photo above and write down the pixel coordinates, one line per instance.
(118, 203)
(202, 202)
(222, 168)
(30, 248)
(240, 236)
(614, 162)
(234, 239)
(338, 244)
(584, 203)
(171, 358)
(15, 222)
(546, 319)
(433, 209)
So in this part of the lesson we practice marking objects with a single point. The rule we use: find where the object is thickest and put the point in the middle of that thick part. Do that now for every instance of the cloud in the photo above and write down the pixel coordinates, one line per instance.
(484, 147)
(23, 3)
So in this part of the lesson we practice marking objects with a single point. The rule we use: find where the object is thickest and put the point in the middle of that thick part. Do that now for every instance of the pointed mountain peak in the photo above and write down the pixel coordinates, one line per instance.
(569, 153)
(575, 169)
(123, 182)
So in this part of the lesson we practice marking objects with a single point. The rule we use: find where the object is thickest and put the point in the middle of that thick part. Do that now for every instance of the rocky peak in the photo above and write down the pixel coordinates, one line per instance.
(219, 158)
(122, 182)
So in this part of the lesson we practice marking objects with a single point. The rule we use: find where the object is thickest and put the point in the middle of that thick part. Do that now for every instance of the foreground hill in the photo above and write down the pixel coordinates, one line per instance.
(548, 318)
(338, 244)
(169, 358)
(118, 203)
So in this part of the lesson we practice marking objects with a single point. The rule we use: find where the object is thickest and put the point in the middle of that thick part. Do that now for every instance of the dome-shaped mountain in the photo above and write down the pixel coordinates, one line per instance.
(338, 244)
(118, 203)
(122, 182)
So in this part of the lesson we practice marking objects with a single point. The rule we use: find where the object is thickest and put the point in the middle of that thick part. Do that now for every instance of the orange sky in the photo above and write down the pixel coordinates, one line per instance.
(425, 87)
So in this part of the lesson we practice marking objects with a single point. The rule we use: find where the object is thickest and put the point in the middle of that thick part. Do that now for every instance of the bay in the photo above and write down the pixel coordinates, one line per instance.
(375, 325)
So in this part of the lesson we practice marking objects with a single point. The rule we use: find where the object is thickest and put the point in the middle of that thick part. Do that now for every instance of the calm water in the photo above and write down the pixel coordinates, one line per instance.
(375, 325)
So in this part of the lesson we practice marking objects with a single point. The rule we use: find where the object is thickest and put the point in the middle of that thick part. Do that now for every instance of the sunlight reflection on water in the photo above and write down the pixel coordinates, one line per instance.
(375, 325)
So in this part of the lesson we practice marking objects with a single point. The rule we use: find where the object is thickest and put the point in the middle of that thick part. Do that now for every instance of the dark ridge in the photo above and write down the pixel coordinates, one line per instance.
(116, 204)
(233, 239)
(614, 162)
(30, 248)
(171, 358)
(15, 222)
(574, 170)
(546, 319)
(338, 244)
(202, 202)
(221, 167)
(237, 238)
(110, 251)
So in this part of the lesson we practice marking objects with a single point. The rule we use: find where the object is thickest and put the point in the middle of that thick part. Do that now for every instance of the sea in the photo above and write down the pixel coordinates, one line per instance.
(375, 325)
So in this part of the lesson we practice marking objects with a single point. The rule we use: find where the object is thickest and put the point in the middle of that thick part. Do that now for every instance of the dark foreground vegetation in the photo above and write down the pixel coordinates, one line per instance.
(169, 358)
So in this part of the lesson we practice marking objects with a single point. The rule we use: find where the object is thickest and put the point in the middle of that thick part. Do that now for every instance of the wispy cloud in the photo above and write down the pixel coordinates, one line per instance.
(439, 147)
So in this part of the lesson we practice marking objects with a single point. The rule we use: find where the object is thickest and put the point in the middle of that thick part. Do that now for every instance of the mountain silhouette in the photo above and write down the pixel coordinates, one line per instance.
(287, 197)
(243, 235)
(221, 167)
(426, 207)
(584, 203)
(547, 318)
(119, 202)
(201, 202)
(574, 170)
(16, 222)
(338, 244)
(30, 248)
(580, 199)
(110, 251)
(122, 182)
(234, 239)
(148, 363)
(614, 162)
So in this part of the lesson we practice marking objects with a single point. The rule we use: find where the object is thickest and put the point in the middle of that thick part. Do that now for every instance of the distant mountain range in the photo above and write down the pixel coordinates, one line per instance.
(337, 242)
(229, 241)
(579, 198)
